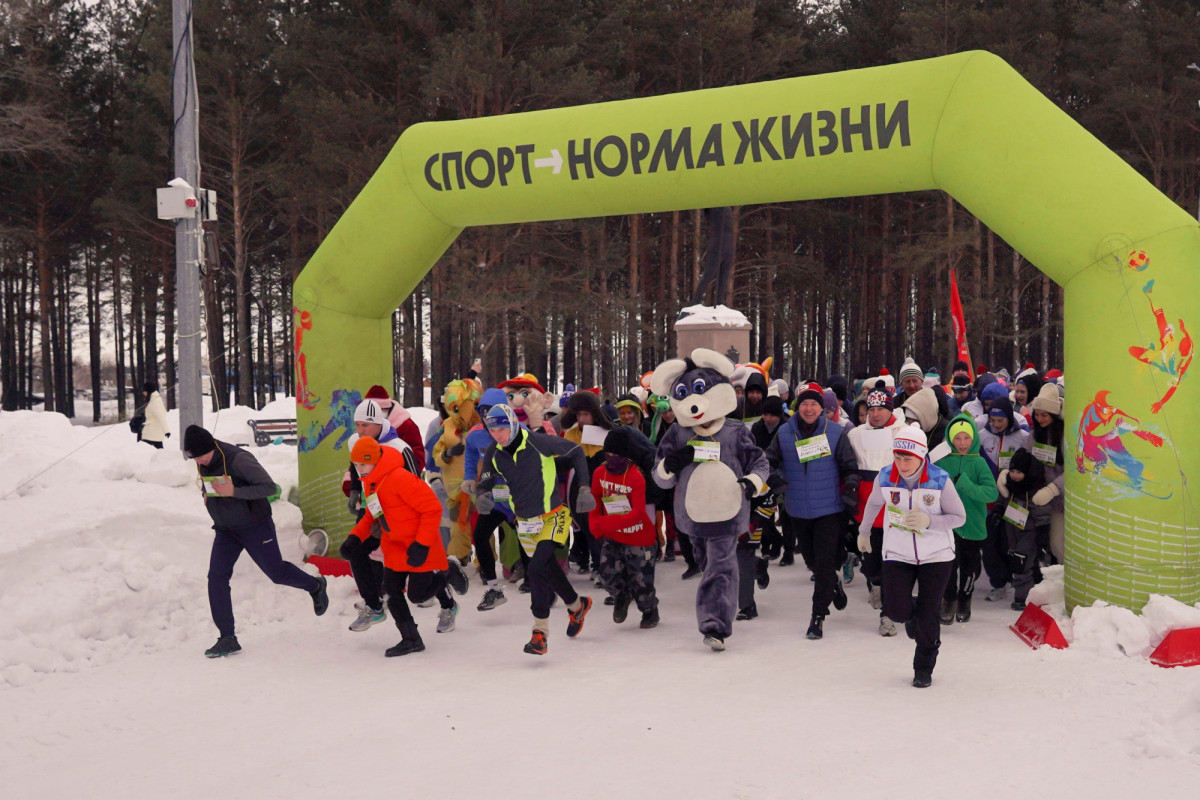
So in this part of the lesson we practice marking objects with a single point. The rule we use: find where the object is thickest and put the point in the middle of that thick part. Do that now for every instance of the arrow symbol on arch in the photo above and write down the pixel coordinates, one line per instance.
(555, 160)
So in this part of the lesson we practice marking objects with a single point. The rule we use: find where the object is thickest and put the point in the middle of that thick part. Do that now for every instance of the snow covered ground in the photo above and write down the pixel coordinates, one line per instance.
(105, 692)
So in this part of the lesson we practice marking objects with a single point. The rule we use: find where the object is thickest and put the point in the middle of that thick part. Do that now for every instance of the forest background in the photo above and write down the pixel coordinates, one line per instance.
(301, 99)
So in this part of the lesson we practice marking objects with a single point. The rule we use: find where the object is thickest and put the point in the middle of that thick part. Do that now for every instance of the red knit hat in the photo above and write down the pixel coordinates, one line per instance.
(377, 392)
(811, 391)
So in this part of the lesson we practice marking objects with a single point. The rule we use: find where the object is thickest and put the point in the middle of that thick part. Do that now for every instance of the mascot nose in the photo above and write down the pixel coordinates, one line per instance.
(695, 409)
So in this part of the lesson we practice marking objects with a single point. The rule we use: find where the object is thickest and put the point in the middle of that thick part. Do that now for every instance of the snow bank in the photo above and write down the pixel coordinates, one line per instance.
(1111, 631)
(709, 315)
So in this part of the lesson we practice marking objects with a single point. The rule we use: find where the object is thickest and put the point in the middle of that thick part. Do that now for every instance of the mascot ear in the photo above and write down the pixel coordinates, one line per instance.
(665, 375)
(703, 357)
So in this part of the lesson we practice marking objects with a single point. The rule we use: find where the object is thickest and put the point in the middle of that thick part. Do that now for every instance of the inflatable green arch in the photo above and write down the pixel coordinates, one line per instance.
(967, 124)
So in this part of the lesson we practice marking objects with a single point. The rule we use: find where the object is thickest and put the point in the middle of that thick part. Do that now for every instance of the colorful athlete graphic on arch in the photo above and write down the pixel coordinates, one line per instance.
(303, 322)
(1172, 353)
(1102, 435)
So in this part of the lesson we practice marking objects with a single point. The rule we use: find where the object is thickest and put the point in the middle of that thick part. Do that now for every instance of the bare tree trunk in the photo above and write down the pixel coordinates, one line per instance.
(45, 299)
(1016, 308)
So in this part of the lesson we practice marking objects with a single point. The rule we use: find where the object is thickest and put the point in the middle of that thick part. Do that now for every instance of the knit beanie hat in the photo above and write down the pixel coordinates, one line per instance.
(565, 397)
(773, 405)
(811, 391)
(957, 427)
(369, 411)
(911, 440)
(366, 451)
(961, 383)
(779, 387)
(628, 400)
(910, 368)
(1048, 400)
(617, 442)
(197, 441)
(829, 400)
(377, 392)
(879, 397)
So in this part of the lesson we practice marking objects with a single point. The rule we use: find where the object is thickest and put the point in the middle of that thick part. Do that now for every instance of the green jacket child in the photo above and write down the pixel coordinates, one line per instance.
(972, 477)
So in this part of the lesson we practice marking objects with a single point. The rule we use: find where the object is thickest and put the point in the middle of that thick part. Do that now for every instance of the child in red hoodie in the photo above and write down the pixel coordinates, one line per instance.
(627, 536)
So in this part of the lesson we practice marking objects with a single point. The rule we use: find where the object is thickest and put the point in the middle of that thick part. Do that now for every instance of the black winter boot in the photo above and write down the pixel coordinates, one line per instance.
(410, 641)
(949, 609)
(964, 608)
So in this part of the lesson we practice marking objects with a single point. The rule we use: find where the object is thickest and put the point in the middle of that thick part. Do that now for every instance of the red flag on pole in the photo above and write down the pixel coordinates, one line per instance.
(960, 326)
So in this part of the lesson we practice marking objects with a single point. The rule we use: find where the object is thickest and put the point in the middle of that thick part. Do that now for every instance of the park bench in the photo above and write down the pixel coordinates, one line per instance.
(267, 431)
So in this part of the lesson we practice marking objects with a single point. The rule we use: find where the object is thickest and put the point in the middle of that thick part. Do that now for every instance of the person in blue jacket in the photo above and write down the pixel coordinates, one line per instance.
(813, 463)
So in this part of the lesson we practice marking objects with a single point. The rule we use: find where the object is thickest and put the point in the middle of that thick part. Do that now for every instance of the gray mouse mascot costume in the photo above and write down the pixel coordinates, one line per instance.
(715, 468)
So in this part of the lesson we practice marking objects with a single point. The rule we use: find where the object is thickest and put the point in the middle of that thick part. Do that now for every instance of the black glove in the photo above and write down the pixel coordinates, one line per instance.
(675, 462)
(417, 553)
(748, 487)
(349, 547)
(850, 492)
(776, 482)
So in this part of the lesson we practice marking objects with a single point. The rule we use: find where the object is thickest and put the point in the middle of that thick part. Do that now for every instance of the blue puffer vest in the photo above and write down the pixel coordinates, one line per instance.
(814, 488)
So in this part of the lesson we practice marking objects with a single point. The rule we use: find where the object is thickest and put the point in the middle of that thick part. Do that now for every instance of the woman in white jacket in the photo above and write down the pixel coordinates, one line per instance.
(921, 509)
(155, 428)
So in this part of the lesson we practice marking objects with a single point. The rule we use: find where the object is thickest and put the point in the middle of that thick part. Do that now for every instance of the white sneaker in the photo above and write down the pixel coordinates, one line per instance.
(428, 603)
(877, 598)
(367, 617)
(886, 626)
(446, 618)
(996, 595)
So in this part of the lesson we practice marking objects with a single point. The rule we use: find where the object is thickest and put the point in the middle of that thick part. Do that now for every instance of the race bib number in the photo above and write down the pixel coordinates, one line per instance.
(501, 493)
(814, 448)
(1017, 515)
(530, 527)
(1045, 453)
(706, 451)
(210, 484)
(1006, 458)
(374, 506)
(616, 504)
(894, 517)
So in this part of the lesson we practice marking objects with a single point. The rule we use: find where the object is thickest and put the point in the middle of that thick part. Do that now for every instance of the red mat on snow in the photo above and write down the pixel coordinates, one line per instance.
(333, 567)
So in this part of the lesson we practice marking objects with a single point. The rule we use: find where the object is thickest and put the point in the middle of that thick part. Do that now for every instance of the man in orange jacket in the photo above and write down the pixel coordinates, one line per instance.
(405, 514)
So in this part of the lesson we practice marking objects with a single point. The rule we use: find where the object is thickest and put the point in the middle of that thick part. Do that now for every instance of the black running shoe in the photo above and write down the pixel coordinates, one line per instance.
(922, 679)
(575, 618)
(761, 576)
(537, 644)
(320, 596)
(839, 596)
(621, 609)
(749, 612)
(225, 646)
(456, 576)
(816, 628)
(691, 572)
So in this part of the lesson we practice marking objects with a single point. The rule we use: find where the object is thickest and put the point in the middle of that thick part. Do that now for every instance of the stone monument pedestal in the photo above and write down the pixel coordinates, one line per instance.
(720, 328)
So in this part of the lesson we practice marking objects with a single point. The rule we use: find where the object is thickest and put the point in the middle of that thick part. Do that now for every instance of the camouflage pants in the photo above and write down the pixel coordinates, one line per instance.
(628, 571)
